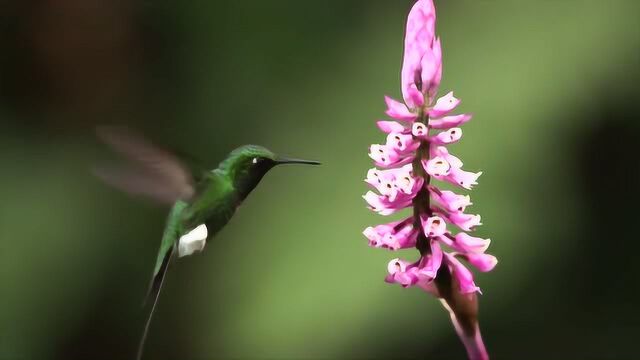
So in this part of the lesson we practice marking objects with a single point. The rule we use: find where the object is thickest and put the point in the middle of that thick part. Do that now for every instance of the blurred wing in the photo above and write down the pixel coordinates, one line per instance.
(152, 172)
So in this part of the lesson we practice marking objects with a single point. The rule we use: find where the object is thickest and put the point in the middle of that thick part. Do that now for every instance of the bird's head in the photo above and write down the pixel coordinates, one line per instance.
(247, 165)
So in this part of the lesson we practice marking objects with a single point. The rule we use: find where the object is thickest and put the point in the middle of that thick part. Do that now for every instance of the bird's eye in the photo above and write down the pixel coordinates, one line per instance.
(255, 160)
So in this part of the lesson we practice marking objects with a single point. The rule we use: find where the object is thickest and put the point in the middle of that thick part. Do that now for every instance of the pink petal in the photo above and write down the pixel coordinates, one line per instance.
(437, 167)
(405, 238)
(472, 244)
(429, 66)
(419, 130)
(401, 272)
(383, 205)
(374, 177)
(383, 181)
(390, 126)
(398, 110)
(444, 153)
(406, 182)
(435, 82)
(383, 155)
(395, 183)
(416, 98)
(402, 143)
(462, 247)
(386, 157)
(407, 279)
(482, 262)
(393, 236)
(444, 105)
(433, 261)
(397, 265)
(374, 201)
(377, 233)
(419, 38)
(446, 137)
(466, 222)
(454, 202)
(433, 226)
(447, 240)
(462, 274)
(378, 204)
(373, 236)
(463, 178)
(450, 121)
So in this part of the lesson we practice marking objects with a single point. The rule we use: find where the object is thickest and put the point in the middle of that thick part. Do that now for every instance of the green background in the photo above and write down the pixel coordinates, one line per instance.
(553, 89)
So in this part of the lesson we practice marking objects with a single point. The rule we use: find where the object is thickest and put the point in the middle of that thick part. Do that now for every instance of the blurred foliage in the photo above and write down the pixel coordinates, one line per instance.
(552, 85)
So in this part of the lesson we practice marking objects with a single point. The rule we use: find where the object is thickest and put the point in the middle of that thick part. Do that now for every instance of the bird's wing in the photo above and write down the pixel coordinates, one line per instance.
(153, 172)
(172, 232)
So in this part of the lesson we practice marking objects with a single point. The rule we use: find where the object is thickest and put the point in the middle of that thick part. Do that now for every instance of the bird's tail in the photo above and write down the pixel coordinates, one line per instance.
(154, 293)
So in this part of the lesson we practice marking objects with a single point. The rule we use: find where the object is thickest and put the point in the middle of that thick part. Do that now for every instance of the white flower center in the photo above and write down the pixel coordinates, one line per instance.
(419, 129)
(438, 166)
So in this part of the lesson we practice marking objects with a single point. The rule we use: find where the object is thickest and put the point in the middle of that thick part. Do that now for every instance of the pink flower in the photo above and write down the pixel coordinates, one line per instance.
(462, 274)
(447, 137)
(402, 143)
(383, 205)
(398, 110)
(450, 200)
(433, 261)
(463, 178)
(470, 244)
(383, 155)
(442, 151)
(392, 236)
(450, 121)
(406, 182)
(398, 185)
(402, 272)
(444, 166)
(466, 222)
(438, 167)
(394, 183)
(419, 130)
(482, 262)
(444, 106)
(422, 64)
(433, 226)
(415, 154)
(390, 126)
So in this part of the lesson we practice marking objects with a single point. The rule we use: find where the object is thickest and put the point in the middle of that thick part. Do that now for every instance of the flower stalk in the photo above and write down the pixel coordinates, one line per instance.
(414, 155)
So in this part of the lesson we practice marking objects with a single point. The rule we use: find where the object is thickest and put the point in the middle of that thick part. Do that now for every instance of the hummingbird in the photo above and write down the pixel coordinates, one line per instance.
(202, 201)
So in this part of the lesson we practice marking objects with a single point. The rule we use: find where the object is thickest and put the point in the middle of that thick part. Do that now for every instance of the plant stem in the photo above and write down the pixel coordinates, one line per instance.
(472, 342)
(422, 201)
(463, 308)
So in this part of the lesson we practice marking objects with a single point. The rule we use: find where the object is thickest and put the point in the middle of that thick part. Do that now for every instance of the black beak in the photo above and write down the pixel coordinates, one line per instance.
(284, 160)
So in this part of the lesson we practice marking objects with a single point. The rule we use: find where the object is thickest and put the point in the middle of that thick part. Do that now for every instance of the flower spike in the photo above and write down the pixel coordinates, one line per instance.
(414, 154)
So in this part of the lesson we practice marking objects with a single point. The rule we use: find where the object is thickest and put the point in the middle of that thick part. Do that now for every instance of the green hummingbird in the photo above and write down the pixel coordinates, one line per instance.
(203, 201)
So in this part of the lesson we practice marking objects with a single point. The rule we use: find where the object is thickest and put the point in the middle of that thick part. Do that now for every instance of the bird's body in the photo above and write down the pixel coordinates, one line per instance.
(213, 206)
(199, 199)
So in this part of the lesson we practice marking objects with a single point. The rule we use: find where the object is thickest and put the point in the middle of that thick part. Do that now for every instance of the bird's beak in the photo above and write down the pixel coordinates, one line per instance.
(285, 160)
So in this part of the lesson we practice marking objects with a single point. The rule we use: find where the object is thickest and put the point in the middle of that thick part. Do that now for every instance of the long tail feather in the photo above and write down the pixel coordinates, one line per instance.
(154, 292)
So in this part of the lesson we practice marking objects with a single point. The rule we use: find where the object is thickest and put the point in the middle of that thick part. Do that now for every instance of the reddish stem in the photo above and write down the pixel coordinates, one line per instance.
(463, 308)
(472, 343)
